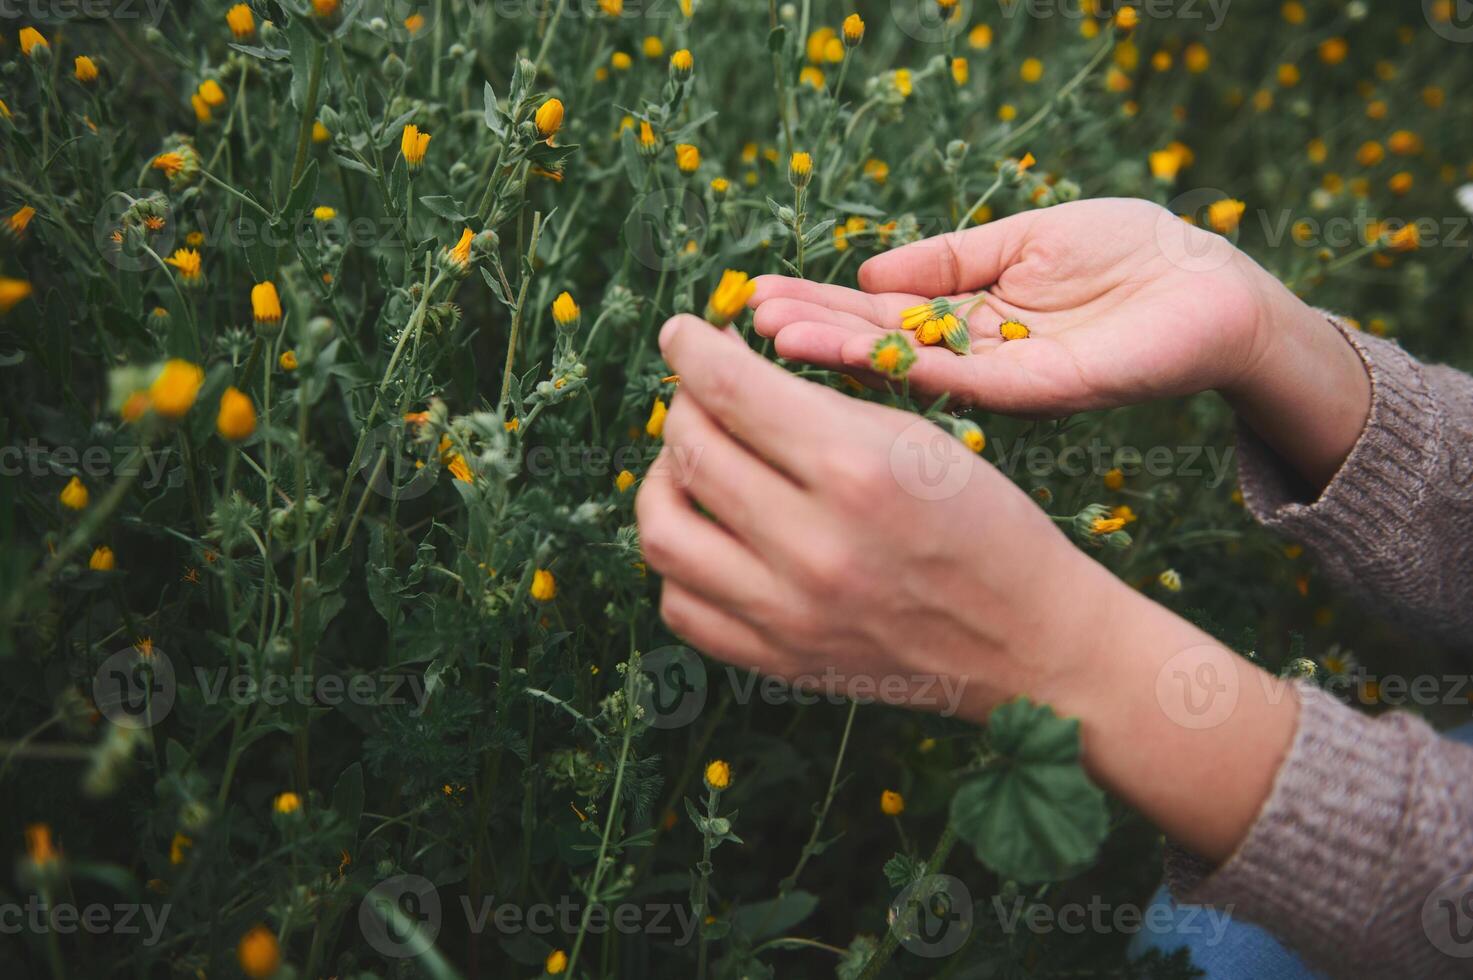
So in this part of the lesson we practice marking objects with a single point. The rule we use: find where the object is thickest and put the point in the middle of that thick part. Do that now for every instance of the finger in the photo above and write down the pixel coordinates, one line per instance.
(781, 418)
(713, 630)
(880, 309)
(953, 262)
(777, 313)
(816, 343)
(753, 501)
(680, 544)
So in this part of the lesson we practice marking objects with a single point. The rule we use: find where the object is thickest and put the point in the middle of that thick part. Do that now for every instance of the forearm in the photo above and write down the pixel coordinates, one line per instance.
(1187, 732)
(1307, 393)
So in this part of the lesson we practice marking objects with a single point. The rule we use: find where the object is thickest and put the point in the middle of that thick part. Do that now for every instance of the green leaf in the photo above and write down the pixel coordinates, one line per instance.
(1032, 814)
(775, 38)
(301, 193)
(774, 916)
(445, 206)
(493, 115)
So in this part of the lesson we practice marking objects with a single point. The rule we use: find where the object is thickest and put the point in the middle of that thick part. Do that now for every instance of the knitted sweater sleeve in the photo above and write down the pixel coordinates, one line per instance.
(1362, 857)
(1395, 524)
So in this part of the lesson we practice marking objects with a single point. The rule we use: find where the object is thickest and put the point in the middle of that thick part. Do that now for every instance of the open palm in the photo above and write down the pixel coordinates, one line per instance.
(1125, 302)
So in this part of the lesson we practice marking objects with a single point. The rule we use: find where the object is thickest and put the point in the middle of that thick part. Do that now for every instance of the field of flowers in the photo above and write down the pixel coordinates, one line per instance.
(327, 337)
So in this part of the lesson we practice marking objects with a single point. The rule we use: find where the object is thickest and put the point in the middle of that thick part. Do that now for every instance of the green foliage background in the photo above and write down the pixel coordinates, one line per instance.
(528, 757)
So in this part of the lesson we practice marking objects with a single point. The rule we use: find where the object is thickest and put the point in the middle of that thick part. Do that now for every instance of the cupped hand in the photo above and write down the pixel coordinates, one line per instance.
(834, 541)
(1124, 300)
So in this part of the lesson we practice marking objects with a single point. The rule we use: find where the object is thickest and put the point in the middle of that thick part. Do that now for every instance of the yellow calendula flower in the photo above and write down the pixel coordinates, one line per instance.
(1170, 580)
(892, 356)
(1106, 525)
(903, 82)
(202, 114)
(413, 144)
(1370, 153)
(980, 37)
(265, 303)
(1404, 143)
(236, 419)
(1401, 183)
(892, 804)
(544, 586)
(1114, 479)
(813, 77)
(241, 21)
(718, 775)
(187, 262)
(102, 559)
(1334, 50)
(320, 132)
(549, 118)
(31, 39)
(647, 140)
(853, 30)
(611, 7)
(287, 802)
(1197, 58)
(1288, 75)
(74, 496)
(1124, 512)
(682, 64)
(288, 360)
(1127, 19)
(556, 962)
(973, 437)
(653, 47)
(876, 170)
(728, 299)
(414, 23)
(960, 70)
(565, 310)
(1031, 70)
(324, 213)
(38, 845)
(1014, 330)
(654, 426)
(324, 8)
(211, 92)
(687, 158)
(460, 253)
(719, 186)
(620, 61)
(624, 481)
(1224, 216)
(177, 847)
(18, 222)
(259, 953)
(1165, 165)
(173, 392)
(12, 291)
(800, 169)
(84, 69)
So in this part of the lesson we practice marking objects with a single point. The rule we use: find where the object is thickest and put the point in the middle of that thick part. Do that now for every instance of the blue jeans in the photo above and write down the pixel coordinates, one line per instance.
(1234, 950)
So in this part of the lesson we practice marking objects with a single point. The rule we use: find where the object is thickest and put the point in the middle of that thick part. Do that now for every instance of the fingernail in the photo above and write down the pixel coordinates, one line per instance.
(667, 332)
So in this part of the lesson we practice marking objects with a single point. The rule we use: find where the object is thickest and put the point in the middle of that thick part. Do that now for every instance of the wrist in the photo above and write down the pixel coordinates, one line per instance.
(1305, 390)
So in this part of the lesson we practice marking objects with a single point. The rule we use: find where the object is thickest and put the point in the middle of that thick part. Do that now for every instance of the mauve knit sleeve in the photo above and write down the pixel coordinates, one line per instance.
(1362, 857)
(1395, 525)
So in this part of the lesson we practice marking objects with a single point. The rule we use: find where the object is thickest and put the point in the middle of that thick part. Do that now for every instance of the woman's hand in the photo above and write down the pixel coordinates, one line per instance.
(860, 549)
(1125, 303)
(853, 537)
